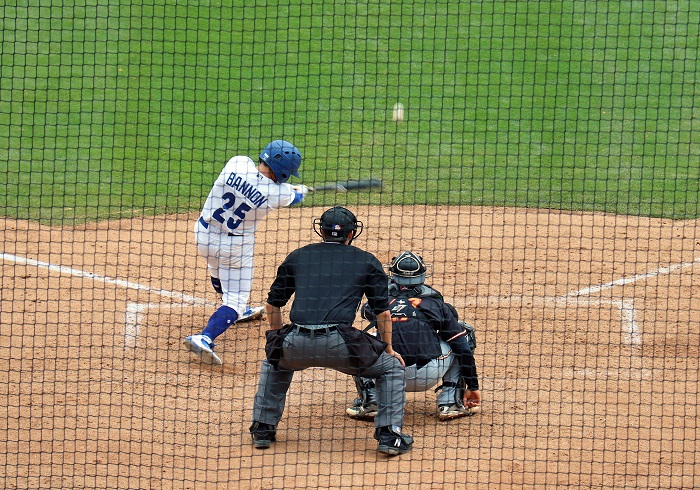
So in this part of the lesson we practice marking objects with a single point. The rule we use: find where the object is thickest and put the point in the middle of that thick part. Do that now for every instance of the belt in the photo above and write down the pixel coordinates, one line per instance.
(325, 328)
(206, 227)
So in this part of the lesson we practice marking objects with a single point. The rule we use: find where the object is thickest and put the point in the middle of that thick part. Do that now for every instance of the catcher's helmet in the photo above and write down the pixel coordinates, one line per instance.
(336, 223)
(283, 158)
(408, 269)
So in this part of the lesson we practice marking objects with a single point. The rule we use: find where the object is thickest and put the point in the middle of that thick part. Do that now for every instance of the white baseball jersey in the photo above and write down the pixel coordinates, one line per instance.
(225, 232)
(242, 196)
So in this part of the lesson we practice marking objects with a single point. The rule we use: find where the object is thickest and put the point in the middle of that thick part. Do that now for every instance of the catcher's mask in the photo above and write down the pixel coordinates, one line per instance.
(408, 269)
(336, 224)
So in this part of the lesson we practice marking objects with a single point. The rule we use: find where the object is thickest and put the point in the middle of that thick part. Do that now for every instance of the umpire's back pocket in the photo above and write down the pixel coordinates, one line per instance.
(273, 346)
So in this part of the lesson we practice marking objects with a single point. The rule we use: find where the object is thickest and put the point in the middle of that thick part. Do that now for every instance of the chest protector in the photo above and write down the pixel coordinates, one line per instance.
(413, 335)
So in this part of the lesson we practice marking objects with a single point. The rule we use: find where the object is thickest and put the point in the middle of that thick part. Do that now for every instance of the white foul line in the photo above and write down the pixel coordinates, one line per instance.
(134, 311)
(107, 280)
(628, 313)
(662, 271)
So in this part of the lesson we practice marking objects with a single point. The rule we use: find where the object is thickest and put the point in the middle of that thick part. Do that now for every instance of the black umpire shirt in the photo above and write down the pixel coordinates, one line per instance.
(328, 281)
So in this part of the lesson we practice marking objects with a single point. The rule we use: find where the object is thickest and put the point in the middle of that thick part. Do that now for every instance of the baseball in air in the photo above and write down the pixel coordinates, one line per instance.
(398, 112)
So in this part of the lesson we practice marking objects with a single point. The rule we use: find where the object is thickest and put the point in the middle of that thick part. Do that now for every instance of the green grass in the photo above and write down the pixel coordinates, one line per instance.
(111, 109)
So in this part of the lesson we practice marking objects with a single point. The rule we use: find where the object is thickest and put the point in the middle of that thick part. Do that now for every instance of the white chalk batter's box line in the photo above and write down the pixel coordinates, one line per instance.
(628, 321)
(135, 311)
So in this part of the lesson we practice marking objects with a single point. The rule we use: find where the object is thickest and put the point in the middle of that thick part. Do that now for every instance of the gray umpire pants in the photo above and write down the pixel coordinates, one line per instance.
(303, 349)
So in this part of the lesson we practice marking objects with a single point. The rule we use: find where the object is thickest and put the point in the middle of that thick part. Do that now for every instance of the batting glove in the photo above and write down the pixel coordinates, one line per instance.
(300, 189)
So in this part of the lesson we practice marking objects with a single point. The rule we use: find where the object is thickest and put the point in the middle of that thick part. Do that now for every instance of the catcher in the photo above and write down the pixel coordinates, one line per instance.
(434, 344)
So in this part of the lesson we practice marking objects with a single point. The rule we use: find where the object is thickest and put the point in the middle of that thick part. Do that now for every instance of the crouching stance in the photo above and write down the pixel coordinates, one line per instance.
(328, 281)
(434, 344)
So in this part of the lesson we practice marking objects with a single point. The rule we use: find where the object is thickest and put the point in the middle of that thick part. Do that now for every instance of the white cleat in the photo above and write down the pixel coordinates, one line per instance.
(251, 314)
(360, 410)
(202, 346)
(448, 412)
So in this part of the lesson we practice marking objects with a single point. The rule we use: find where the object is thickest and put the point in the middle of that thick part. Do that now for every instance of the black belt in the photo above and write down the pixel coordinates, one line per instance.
(316, 328)
(206, 227)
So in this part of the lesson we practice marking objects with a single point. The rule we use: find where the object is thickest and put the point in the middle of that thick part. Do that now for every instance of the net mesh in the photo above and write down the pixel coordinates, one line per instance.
(543, 157)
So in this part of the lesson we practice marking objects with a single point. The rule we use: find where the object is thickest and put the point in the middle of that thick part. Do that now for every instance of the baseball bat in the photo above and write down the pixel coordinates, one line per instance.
(347, 185)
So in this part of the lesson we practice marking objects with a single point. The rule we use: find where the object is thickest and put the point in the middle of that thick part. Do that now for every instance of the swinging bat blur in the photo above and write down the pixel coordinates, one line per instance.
(348, 185)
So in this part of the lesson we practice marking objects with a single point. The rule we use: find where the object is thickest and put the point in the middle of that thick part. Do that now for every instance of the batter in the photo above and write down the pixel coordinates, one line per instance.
(243, 194)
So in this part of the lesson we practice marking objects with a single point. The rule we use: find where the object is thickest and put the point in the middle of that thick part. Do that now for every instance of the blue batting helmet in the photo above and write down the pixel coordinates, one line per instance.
(283, 158)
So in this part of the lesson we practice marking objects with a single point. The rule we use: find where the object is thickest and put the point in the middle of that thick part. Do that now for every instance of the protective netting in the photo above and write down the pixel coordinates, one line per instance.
(543, 157)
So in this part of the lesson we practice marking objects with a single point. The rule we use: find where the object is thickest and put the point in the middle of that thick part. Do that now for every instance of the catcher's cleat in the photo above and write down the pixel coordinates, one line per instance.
(360, 410)
(202, 346)
(251, 314)
(392, 441)
(263, 435)
(447, 412)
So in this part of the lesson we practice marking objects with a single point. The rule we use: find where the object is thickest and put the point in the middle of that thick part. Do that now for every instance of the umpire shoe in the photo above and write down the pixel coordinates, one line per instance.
(360, 410)
(251, 314)
(263, 435)
(202, 346)
(447, 412)
(392, 441)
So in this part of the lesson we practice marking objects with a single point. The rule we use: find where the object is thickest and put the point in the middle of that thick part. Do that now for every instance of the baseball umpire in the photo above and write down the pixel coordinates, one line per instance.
(328, 280)
(434, 344)
(240, 198)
